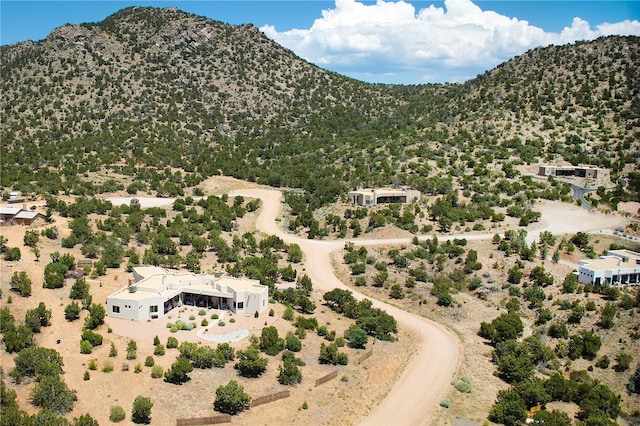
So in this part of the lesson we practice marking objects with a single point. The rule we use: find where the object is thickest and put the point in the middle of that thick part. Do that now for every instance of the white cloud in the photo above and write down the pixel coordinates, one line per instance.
(392, 42)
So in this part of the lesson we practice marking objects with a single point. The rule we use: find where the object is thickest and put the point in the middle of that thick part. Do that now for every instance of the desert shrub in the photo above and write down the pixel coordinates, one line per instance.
(172, 343)
(93, 364)
(157, 371)
(116, 414)
(137, 369)
(231, 398)
(107, 366)
(463, 385)
(149, 361)
(158, 350)
(86, 347)
(94, 338)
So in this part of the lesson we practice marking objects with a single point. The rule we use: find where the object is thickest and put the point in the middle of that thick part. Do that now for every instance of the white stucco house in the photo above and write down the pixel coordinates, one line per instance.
(618, 267)
(371, 197)
(154, 291)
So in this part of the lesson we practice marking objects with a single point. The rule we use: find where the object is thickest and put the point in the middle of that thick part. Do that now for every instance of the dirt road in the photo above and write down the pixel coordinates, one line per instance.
(428, 376)
(426, 379)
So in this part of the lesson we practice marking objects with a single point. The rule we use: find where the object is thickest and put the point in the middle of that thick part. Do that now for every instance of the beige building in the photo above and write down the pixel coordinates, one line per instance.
(154, 291)
(582, 171)
(370, 197)
(618, 267)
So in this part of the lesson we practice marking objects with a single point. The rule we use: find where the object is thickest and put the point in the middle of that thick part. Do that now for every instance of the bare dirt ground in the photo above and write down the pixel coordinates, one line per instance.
(402, 383)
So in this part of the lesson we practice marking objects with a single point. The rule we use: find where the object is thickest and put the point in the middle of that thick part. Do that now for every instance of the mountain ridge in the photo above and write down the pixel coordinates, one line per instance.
(159, 86)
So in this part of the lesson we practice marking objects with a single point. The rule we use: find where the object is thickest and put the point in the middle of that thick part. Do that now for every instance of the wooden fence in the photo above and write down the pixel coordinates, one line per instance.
(270, 398)
(210, 420)
(326, 378)
(365, 355)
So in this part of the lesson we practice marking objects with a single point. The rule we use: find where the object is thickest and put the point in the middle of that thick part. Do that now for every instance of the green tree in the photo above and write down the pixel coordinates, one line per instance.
(607, 315)
(21, 283)
(623, 362)
(96, 316)
(38, 362)
(250, 363)
(31, 238)
(270, 342)
(634, 382)
(79, 289)
(84, 420)
(396, 292)
(72, 311)
(329, 354)
(141, 410)
(178, 372)
(552, 418)
(231, 399)
(599, 400)
(356, 336)
(289, 373)
(292, 343)
(38, 317)
(510, 409)
(504, 327)
(51, 393)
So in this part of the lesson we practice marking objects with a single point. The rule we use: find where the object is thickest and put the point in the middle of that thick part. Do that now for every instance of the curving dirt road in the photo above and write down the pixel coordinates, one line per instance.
(426, 379)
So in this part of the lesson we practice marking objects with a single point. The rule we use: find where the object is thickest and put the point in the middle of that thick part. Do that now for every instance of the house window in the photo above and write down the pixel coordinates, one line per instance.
(240, 305)
(153, 308)
(115, 309)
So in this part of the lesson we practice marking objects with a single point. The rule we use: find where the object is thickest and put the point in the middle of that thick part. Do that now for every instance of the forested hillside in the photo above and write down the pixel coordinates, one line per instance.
(166, 99)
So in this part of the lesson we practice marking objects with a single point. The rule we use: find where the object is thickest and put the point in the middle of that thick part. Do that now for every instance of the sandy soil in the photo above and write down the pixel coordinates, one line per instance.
(409, 377)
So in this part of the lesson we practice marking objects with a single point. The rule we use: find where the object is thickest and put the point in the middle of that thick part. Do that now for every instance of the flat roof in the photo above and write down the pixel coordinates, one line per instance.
(169, 283)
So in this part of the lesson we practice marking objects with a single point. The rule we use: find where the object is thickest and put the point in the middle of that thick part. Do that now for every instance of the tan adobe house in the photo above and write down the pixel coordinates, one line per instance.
(10, 215)
(370, 197)
(618, 267)
(583, 171)
(155, 291)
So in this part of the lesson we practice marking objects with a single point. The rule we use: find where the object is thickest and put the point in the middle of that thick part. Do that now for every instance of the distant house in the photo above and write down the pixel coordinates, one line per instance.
(371, 197)
(25, 217)
(584, 171)
(8, 213)
(15, 215)
(618, 267)
(154, 291)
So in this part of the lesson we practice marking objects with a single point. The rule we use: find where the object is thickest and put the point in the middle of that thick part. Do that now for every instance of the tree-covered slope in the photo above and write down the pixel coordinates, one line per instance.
(168, 98)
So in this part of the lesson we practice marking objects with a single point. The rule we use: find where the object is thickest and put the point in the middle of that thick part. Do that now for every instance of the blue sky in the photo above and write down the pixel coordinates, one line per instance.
(382, 41)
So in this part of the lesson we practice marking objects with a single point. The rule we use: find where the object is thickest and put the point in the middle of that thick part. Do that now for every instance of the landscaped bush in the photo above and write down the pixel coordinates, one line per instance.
(221, 324)
(202, 312)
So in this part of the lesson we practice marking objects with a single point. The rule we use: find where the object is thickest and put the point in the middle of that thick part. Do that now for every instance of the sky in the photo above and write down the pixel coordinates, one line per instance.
(383, 41)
